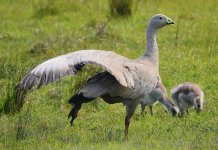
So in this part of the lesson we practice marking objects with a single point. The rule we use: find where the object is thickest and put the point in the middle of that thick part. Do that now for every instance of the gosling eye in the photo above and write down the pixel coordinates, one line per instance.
(161, 18)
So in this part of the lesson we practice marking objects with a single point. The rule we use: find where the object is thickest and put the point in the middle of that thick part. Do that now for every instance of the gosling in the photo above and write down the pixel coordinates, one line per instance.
(159, 94)
(187, 95)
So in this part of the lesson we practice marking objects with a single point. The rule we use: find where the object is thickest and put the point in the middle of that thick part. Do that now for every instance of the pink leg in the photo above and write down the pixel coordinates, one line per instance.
(127, 122)
(130, 109)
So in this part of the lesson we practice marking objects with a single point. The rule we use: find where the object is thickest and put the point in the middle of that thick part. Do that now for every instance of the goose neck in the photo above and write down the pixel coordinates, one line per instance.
(151, 51)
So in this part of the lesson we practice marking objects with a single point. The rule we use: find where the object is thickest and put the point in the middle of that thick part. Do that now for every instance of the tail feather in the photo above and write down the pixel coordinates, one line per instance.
(79, 98)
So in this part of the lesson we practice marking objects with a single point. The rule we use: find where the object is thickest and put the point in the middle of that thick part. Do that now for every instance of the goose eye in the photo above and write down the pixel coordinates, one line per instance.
(161, 18)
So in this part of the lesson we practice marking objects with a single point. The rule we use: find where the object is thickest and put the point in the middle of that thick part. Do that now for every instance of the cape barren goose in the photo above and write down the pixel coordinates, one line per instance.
(158, 94)
(187, 95)
(124, 81)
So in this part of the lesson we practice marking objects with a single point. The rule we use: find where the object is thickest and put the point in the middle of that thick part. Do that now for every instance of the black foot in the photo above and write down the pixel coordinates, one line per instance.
(74, 112)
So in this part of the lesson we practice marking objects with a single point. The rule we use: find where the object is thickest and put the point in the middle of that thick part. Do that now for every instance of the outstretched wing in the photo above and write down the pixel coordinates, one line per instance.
(69, 64)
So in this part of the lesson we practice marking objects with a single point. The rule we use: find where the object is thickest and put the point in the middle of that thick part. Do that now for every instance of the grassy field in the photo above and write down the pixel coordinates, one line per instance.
(36, 30)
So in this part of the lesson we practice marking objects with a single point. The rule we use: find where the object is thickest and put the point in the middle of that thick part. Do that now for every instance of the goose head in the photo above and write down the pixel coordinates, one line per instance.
(158, 21)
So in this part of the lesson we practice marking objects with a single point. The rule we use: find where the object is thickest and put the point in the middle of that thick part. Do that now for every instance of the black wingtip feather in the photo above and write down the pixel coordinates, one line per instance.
(17, 87)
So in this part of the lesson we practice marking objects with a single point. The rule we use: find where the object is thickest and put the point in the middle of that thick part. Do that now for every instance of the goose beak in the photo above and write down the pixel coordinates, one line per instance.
(169, 21)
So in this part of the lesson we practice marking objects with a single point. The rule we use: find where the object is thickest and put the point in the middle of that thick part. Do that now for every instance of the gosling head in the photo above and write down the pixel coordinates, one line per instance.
(158, 21)
(198, 103)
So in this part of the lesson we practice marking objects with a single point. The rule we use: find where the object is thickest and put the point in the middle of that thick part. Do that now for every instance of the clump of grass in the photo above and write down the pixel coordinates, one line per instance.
(45, 8)
(100, 28)
(23, 124)
(5, 36)
(11, 100)
(120, 7)
(39, 48)
(177, 34)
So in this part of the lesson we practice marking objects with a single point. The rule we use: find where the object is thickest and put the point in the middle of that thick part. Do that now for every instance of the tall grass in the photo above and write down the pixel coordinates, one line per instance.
(11, 101)
(121, 7)
(23, 124)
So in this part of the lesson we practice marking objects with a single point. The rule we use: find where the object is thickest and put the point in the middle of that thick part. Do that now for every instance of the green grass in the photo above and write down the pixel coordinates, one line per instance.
(34, 31)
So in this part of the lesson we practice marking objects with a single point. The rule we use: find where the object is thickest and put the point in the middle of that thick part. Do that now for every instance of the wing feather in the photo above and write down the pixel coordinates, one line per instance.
(69, 64)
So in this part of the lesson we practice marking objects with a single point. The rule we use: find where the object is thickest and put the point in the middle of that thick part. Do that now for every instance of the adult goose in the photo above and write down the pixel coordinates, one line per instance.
(123, 81)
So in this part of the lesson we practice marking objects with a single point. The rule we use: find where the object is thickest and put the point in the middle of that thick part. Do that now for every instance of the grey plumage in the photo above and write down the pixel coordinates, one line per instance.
(158, 94)
(187, 95)
(71, 63)
(124, 80)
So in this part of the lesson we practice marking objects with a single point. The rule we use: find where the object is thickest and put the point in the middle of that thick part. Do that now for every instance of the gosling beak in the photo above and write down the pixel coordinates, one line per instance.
(169, 21)
(198, 110)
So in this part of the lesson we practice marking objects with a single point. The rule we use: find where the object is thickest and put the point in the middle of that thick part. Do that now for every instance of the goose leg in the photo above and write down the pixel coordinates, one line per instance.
(130, 110)
(142, 108)
(187, 112)
(181, 110)
(151, 110)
